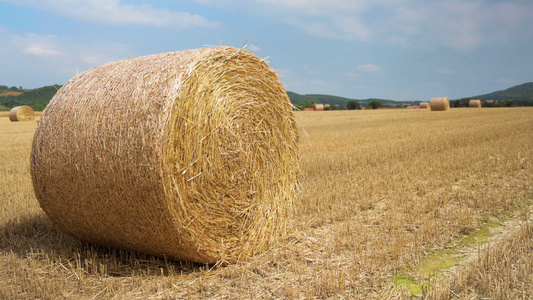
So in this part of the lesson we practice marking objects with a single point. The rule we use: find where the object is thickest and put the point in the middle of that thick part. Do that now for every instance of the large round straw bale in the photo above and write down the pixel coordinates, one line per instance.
(424, 105)
(191, 154)
(21, 113)
(474, 103)
(439, 104)
(319, 107)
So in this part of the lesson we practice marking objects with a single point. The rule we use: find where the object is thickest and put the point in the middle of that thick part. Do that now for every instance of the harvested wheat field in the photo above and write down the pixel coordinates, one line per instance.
(394, 204)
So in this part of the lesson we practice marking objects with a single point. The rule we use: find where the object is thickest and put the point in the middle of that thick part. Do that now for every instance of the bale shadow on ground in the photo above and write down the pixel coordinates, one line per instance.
(36, 236)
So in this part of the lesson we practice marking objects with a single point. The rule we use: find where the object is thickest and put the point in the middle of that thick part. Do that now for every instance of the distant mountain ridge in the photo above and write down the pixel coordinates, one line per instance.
(330, 99)
(522, 92)
(38, 98)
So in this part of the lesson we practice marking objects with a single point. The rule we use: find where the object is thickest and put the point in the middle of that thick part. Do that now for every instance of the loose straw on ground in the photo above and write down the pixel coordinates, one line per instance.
(191, 154)
(21, 113)
(439, 104)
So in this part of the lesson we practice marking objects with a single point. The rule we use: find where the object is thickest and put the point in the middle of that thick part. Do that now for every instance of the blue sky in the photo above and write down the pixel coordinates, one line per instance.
(389, 49)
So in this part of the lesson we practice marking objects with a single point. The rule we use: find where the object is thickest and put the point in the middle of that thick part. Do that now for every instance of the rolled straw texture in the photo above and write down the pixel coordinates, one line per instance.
(21, 113)
(439, 104)
(424, 105)
(475, 103)
(191, 155)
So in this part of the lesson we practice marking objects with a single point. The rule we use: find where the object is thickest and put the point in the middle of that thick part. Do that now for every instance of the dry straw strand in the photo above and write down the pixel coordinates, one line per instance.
(424, 105)
(474, 103)
(439, 104)
(190, 154)
(21, 113)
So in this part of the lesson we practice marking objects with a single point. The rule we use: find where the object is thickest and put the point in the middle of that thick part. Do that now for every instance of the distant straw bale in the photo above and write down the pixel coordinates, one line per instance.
(191, 154)
(474, 103)
(439, 104)
(424, 105)
(21, 113)
(319, 107)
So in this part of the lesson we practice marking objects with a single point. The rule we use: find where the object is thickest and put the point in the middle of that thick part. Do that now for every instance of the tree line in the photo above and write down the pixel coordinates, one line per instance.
(350, 105)
(464, 102)
(35, 98)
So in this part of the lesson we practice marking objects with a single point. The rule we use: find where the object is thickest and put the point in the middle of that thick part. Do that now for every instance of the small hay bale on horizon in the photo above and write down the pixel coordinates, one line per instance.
(190, 155)
(474, 103)
(319, 107)
(424, 105)
(439, 104)
(21, 114)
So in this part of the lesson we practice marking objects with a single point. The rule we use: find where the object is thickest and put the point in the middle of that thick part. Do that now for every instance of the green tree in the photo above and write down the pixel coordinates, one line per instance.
(351, 105)
(306, 104)
(375, 104)
(332, 107)
(463, 102)
(38, 107)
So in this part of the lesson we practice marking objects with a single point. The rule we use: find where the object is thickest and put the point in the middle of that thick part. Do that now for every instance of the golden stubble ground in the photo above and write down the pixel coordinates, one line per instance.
(381, 191)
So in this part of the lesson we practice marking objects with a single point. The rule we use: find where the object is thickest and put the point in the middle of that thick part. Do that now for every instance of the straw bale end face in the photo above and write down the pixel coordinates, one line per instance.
(21, 113)
(190, 154)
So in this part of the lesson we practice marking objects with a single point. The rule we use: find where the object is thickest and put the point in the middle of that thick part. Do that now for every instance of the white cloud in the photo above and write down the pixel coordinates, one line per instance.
(315, 7)
(53, 56)
(41, 51)
(456, 24)
(330, 7)
(344, 28)
(352, 74)
(464, 26)
(353, 28)
(320, 29)
(444, 71)
(115, 12)
(370, 68)
(400, 41)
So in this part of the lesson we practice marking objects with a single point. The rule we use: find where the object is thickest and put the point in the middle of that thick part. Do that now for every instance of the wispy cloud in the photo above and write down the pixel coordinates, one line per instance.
(117, 13)
(316, 7)
(41, 51)
(369, 68)
(344, 28)
(60, 54)
(444, 71)
(454, 24)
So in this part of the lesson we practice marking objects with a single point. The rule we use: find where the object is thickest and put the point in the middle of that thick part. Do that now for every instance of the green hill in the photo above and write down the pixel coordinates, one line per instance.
(329, 99)
(318, 98)
(522, 92)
